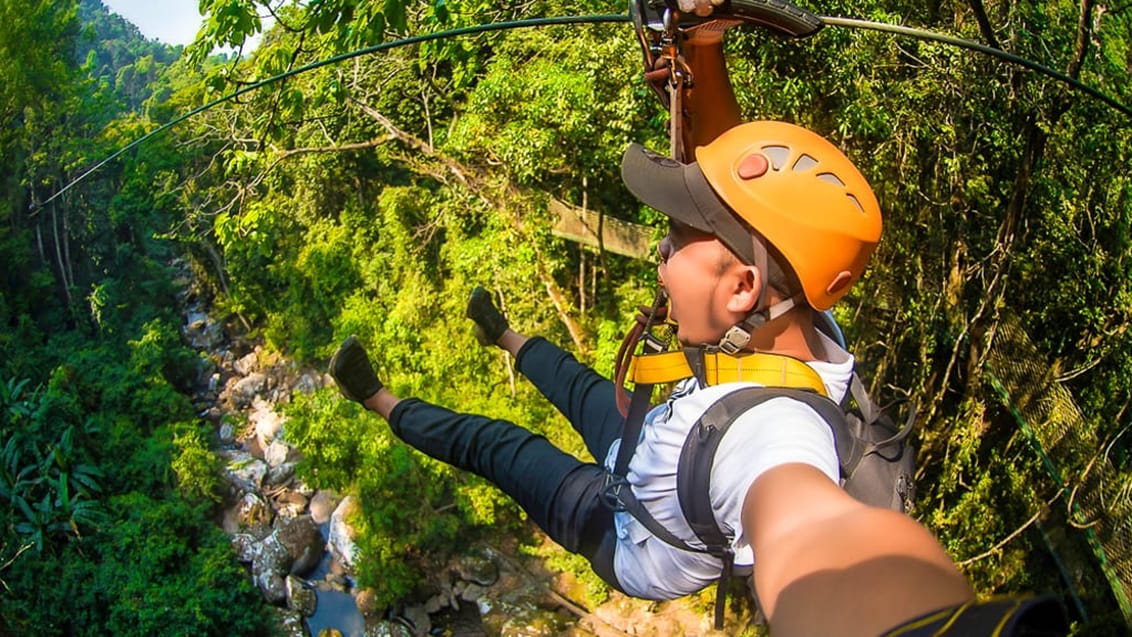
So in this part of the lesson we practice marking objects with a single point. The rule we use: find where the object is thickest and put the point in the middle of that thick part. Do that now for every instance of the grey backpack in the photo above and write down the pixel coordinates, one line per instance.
(876, 464)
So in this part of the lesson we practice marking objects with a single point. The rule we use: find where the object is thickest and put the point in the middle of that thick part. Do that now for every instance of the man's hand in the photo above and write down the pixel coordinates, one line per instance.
(702, 8)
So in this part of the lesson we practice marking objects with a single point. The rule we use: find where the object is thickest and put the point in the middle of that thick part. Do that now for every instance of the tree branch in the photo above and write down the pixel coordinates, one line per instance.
(452, 165)
(373, 143)
(1084, 32)
(558, 299)
(1010, 538)
(984, 23)
(419, 144)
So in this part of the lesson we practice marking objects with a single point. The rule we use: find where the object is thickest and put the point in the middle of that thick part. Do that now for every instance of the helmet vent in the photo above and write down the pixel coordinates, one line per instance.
(778, 155)
(805, 162)
(832, 178)
(856, 202)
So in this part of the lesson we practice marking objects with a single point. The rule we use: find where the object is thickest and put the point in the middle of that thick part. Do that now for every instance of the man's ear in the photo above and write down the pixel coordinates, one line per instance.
(746, 284)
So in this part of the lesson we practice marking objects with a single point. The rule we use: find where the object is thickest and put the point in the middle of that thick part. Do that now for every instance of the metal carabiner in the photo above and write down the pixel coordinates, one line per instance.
(680, 79)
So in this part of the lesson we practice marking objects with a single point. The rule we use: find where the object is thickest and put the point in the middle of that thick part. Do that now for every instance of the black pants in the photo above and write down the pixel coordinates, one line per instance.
(559, 492)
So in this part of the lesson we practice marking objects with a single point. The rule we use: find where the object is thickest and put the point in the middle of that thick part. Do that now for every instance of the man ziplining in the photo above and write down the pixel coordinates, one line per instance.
(769, 224)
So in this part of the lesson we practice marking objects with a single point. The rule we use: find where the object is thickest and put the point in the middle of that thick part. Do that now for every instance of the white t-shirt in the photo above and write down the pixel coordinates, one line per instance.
(779, 431)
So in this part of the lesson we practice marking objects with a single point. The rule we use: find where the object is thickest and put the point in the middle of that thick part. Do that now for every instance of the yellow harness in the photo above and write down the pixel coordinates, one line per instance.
(771, 370)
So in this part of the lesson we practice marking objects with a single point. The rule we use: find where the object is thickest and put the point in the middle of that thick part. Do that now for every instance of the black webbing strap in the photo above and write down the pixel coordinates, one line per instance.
(697, 458)
(638, 406)
(721, 588)
(631, 434)
(615, 483)
(629, 501)
(694, 475)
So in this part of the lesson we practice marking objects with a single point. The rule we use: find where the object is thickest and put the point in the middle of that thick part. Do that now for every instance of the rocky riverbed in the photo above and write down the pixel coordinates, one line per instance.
(299, 548)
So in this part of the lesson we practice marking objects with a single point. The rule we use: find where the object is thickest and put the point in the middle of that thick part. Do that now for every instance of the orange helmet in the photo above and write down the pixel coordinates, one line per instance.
(790, 185)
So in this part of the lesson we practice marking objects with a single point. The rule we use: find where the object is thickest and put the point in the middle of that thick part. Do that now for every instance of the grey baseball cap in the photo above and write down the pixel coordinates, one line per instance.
(681, 192)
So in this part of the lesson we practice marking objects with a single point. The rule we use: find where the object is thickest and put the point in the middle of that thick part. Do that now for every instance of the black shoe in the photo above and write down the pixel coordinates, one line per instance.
(490, 322)
(352, 371)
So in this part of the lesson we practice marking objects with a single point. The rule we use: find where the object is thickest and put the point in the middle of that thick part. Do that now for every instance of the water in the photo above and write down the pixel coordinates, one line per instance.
(336, 609)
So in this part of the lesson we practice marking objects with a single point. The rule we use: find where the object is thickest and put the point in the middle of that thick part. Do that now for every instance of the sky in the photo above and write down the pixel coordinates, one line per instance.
(170, 21)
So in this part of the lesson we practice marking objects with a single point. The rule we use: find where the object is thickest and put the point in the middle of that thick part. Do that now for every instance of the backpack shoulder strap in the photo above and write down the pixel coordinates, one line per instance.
(697, 457)
(693, 472)
(710, 368)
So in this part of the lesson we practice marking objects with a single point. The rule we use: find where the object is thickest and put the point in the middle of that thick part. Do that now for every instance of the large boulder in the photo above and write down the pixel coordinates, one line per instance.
(387, 629)
(279, 475)
(267, 422)
(289, 503)
(522, 617)
(243, 392)
(307, 383)
(366, 601)
(301, 538)
(270, 564)
(478, 568)
(253, 513)
(290, 623)
(244, 471)
(341, 537)
(276, 453)
(246, 546)
(300, 598)
(203, 333)
(246, 364)
(322, 505)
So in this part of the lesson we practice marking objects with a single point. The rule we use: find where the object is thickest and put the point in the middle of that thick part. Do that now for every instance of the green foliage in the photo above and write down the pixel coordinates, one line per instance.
(161, 563)
(94, 365)
(96, 380)
(321, 277)
(401, 519)
(160, 355)
(197, 467)
(369, 197)
(166, 569)
(410, 505)
(116, 53)
(49, 484)
(158, 567)
(333, 435)
(593, 591)
(143, 459)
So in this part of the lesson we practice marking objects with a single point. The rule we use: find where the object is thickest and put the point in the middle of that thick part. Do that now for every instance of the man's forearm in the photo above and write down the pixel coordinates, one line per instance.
(827, 564)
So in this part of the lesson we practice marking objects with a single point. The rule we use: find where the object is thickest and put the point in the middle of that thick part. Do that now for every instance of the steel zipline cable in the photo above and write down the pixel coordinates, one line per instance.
(920, 34)
(833, 21)
(384, 46)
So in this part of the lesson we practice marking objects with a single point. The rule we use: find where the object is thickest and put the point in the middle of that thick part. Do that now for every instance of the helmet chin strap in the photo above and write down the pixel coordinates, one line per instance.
(739, 335)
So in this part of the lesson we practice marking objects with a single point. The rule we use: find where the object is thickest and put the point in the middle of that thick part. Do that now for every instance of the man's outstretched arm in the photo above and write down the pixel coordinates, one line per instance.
(826, 564)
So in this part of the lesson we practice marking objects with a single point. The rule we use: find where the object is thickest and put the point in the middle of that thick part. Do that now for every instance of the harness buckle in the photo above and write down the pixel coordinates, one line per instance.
(734, 340)
(650, 344)
(611, 492)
